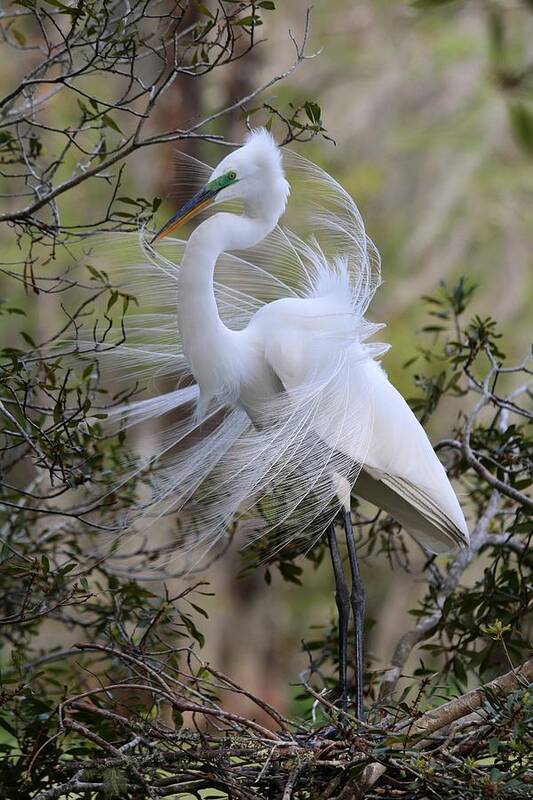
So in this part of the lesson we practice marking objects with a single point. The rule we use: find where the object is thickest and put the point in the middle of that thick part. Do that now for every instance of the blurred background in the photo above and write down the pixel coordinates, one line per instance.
(428, 141)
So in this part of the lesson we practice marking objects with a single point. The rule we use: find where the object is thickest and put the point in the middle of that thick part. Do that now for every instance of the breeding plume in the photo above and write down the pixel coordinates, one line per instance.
(281, 408)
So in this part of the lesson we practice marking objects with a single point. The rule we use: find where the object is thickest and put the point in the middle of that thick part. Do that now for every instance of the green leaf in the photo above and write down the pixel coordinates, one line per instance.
(94, 272)
(246, 22)
(200, 610)
(128, 200)
(193, 630)
(27, 338)
(313, 112)
(21, 39)
(109, 122)
(112, 300)
(58, 413)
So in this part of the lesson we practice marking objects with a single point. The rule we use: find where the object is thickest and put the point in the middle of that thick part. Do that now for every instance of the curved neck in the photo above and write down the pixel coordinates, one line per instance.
(208, 344)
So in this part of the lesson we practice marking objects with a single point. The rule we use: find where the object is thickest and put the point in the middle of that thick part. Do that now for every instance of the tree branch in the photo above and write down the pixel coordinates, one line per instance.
(437, 718)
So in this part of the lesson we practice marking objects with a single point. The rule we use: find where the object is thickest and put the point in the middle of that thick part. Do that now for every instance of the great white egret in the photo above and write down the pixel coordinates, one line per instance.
(290, 407)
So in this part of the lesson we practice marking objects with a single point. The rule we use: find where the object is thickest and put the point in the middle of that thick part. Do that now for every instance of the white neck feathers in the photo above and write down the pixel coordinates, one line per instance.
(210, 347)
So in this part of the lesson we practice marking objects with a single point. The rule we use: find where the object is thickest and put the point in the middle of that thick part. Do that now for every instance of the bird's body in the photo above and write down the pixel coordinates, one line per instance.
(289, 343)
(284, 408)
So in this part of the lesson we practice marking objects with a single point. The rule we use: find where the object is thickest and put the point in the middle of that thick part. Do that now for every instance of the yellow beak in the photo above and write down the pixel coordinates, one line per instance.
(192, 207)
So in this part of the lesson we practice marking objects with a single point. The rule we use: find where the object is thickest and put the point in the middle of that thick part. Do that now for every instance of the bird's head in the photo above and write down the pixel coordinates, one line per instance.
(252, 174)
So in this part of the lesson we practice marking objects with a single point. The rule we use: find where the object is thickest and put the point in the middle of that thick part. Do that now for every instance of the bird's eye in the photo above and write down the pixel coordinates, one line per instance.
(232, 175)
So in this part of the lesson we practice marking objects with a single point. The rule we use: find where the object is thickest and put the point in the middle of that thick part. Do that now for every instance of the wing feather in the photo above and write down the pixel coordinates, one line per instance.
(403, 475)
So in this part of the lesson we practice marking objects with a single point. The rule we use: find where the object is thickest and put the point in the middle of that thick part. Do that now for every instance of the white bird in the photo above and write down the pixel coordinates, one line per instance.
(288, 408)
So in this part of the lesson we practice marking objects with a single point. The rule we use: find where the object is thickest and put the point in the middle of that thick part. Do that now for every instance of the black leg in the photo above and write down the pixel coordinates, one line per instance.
(357, 600)
(342, 599)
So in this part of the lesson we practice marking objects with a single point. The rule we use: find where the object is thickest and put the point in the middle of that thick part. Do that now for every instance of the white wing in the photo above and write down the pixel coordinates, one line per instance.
(403, 475)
